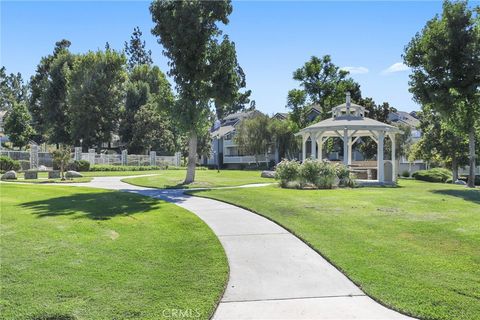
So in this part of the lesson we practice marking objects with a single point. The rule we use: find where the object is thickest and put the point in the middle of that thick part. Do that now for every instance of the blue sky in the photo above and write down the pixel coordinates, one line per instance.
(272, 39)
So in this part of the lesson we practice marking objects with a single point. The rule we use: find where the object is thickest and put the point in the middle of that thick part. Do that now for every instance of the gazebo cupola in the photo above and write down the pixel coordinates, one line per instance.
(349, 123)
(348, 109)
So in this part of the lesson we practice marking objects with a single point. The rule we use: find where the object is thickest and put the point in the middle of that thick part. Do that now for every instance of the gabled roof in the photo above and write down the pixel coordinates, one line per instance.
(402, 117)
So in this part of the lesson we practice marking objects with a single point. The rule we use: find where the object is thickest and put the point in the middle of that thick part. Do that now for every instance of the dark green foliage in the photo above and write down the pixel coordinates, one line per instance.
(324, 85)
(151, 130)
(17, 125)
(433, 175)
(136, 52)
(148, 88)
(79, 165)
(39, 84)
(95, 96)
(7, 164)
(445, 63)
(406, 174)
(12, 89)
(54, 98)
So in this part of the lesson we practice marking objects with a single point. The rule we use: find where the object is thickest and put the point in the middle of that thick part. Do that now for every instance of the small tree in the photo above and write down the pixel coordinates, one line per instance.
(254, 137)
(61, 156)
(17, 125)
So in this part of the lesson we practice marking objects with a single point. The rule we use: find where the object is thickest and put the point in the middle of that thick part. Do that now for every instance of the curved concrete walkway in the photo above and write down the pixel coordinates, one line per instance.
(273, 275)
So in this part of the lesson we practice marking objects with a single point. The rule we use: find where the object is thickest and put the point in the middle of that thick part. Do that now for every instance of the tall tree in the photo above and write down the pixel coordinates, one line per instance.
(95, 95)
(151, 130)
(325, 84)
(135, 50)
(445, 62)
(188, 31)
(228, 79)
(54, 98)
(38, 84)
(17, 125)
(440, 142)
(146, 84)
(12, 89)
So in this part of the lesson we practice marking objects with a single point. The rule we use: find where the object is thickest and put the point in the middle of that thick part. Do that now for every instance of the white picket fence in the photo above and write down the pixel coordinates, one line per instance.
(34, 158)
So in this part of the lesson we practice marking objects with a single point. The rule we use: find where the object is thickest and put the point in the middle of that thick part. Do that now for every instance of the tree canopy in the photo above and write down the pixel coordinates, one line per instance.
(96, 95)
(445, 63)
(189, 33)
(324, 84)
(17, 125)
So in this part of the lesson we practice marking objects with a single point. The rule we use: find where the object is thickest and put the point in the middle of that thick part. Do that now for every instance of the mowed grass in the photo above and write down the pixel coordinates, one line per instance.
(79, 253)
(415, 248)
(203, 179)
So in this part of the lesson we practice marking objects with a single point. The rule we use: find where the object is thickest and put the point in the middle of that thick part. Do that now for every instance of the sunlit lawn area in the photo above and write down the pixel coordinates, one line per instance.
(203, 179)
(415, 248)
(79, 253)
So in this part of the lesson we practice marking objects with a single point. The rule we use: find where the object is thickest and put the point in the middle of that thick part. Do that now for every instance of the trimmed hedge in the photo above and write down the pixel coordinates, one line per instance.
(433, 175)
(7, 164)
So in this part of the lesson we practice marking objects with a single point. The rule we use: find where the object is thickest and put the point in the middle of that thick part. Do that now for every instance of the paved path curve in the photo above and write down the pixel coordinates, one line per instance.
(273, 275)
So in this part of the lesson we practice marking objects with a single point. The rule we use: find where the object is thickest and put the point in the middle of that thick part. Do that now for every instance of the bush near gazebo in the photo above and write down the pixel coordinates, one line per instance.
(433, 175)
(313, 173)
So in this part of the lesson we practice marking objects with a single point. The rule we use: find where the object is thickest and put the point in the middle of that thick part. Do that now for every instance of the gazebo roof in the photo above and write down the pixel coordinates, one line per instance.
(349, 116)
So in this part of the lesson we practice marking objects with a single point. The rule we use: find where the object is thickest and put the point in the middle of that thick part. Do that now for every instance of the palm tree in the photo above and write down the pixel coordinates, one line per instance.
(62, 157)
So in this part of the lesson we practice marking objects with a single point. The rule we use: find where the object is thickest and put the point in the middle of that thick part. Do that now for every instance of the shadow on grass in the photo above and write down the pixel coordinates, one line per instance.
(96, 206)
(468, 195)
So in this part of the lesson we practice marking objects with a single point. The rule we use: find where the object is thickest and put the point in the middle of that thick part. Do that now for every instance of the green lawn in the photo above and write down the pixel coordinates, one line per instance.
(416, 248)
(80, 253)
(203, 179)
(122, 173)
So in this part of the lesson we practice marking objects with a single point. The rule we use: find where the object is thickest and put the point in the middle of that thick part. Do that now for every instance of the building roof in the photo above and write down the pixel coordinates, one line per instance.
(402, 117)
(280, 115)
(348, 116)
(222, 131)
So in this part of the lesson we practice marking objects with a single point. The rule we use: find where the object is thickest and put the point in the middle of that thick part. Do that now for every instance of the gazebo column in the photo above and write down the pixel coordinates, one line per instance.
(394, 160)
(380, 164)
(346, 144)
(313, 145)
(320, 146)
(304, 147)
(350, 144)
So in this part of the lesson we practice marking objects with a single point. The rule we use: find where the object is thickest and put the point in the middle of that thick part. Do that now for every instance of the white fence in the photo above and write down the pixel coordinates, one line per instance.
(33, 159)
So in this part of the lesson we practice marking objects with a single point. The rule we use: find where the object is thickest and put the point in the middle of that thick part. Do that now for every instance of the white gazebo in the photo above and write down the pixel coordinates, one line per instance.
(349, 123)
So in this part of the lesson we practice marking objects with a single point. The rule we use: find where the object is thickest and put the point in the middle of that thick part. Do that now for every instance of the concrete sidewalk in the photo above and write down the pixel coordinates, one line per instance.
(273, 275)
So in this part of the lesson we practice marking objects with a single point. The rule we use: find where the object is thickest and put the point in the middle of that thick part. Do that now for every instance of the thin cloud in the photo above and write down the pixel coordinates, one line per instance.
(356, 70)
(396, 67)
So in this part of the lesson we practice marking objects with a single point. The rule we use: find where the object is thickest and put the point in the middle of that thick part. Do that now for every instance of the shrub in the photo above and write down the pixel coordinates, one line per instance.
(433, 175)
(79, 165)
(24, 164)
(318, 173)
(287, 171)
(406, 174)
(345, 177)
(7, 164)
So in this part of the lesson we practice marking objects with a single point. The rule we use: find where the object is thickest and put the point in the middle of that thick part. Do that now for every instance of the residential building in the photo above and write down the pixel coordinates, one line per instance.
(225, 152)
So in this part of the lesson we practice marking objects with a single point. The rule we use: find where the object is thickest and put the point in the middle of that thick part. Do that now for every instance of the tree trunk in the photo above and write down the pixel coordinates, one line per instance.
(192, 158)
(471, 154)
(454, 169)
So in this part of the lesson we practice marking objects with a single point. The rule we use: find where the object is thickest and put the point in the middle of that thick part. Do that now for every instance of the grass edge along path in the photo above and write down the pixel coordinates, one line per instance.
(415, 249)
(173, 179)
(84, 253)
